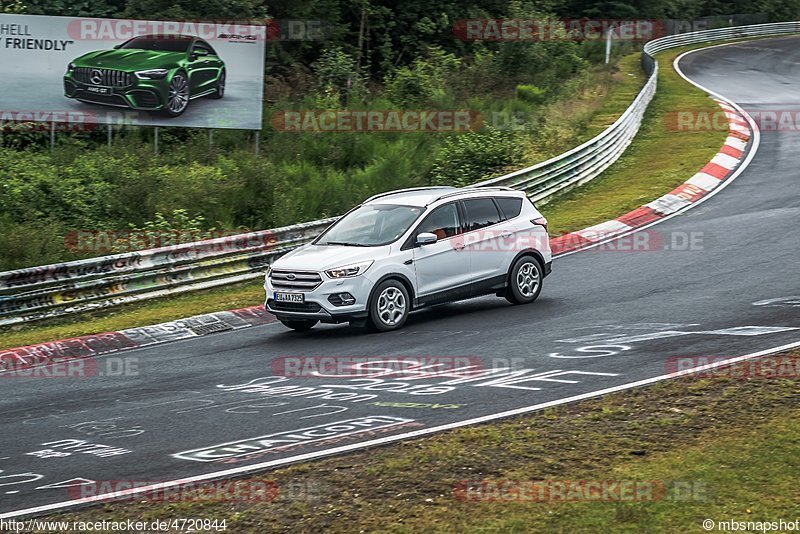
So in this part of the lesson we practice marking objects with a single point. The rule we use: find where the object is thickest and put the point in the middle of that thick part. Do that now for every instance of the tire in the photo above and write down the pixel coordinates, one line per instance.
(220, 92)
(524, 280)
(300, 325)
(177, 95)
(389, 306)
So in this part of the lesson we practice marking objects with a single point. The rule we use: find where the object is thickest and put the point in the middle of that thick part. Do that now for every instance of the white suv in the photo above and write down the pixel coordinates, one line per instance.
(408, 249)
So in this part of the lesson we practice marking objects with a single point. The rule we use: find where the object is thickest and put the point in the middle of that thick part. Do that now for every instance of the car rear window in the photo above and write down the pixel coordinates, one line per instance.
(481, 212)
(510, 206)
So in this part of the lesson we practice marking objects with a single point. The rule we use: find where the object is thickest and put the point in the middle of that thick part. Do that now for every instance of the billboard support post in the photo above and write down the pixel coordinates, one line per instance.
(258, 137)
(52, 135)
(210, 139)
(155, 141)
(110, 130)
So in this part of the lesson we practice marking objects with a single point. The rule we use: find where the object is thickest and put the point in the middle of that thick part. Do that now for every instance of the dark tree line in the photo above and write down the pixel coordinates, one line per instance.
(381, 35)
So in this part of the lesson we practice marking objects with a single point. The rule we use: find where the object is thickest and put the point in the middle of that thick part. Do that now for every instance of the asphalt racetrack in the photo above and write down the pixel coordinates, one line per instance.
(721, 280)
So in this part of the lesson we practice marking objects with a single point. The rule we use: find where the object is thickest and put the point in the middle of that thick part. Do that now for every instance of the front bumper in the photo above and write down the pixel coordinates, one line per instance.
(144, 95)
(317, 305)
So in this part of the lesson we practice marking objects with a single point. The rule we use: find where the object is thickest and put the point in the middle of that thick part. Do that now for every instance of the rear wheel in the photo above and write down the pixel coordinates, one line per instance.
(301, 325)
(389, 306)
(524, 280)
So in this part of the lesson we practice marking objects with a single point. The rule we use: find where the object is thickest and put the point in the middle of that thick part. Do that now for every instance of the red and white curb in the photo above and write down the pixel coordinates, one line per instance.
(131, 338)
(720, 169)
(711, 176)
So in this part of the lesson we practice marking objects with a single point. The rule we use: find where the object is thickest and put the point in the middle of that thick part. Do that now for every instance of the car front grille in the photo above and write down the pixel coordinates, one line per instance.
(295, 280)
(303, 307)
(107, 77)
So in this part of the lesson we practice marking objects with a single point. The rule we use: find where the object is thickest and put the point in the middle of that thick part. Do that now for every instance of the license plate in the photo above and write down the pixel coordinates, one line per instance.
(98, 90)
(289, 297)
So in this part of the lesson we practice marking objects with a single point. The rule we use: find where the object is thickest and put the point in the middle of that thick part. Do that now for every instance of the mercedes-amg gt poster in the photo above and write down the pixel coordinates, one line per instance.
(114, 71)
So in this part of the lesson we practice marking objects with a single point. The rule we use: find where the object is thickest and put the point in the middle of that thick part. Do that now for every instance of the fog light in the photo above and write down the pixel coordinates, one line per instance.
(342, 299)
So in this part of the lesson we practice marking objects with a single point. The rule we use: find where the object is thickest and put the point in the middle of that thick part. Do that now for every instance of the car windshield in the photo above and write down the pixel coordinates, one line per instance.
(165, 44)
(371, 225)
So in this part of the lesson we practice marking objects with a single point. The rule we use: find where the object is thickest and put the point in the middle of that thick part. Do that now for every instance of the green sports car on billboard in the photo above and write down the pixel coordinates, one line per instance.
(148, 73)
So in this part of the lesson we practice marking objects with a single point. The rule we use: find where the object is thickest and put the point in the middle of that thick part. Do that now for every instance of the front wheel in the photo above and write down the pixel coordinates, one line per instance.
(389, 306)
(524, 280)
(300, 325)
(177, 95)
(220, 91)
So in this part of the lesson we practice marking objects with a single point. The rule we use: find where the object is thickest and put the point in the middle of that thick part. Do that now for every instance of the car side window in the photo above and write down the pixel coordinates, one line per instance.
(510, 206)
(443, 222)
(481, 212)
(203, 46)
(209, 48)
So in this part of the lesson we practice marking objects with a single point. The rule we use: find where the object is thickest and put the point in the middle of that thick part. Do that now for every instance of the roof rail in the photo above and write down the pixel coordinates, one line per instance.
(379, 195)
(464, 190)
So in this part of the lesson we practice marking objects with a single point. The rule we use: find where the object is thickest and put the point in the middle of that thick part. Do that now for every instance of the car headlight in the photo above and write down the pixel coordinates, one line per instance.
(349, 271)
(152, 74)
(70, 67)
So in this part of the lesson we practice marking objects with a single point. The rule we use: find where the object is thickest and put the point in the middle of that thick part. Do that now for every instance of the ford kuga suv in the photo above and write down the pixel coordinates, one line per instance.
(148, 73)
(405, 250)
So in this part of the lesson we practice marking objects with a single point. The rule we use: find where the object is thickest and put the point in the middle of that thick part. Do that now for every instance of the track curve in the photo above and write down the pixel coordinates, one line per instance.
(605, 319)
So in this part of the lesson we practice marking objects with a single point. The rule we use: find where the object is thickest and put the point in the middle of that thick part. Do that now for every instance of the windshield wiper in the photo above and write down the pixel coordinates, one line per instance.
(346, 243)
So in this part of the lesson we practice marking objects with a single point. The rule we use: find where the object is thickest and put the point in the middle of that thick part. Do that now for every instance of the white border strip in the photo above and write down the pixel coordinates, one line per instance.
(238, 471)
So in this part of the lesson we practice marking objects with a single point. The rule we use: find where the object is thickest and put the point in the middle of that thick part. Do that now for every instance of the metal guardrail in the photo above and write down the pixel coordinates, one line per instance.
(65, 288)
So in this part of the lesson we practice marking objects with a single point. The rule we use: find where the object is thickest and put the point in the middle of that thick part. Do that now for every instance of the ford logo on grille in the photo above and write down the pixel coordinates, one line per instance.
(291, 276)
(97, 77)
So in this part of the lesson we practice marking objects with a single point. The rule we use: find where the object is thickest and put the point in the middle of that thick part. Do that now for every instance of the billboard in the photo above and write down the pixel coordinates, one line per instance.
(116, 71)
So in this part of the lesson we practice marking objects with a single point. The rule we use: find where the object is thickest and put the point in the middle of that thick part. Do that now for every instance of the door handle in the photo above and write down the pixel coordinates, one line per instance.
(505, 235)
(458, 246)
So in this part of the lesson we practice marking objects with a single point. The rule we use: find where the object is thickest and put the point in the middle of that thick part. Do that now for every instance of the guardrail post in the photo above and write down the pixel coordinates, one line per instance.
(110, 130)
(52, 136)
(155, 141)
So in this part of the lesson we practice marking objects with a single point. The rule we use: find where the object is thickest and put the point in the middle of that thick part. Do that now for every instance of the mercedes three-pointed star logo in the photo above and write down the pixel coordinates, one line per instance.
(97, 77)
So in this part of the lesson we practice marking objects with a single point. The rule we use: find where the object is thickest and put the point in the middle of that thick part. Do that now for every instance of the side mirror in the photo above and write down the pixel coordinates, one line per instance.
(426, 238)
(117, 46)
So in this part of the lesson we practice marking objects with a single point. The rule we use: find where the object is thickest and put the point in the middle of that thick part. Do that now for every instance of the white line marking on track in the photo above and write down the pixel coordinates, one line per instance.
(238, 471)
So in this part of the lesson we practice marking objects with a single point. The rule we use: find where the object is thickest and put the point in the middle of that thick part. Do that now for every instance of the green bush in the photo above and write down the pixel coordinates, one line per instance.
(410, 87)
(530, 94)
(337, 74)
(470, 157)
(424, 81)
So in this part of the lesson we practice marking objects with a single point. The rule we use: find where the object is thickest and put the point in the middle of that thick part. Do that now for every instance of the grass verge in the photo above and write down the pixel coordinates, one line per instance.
(622, 188)
(723, 446)
(649, 167)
